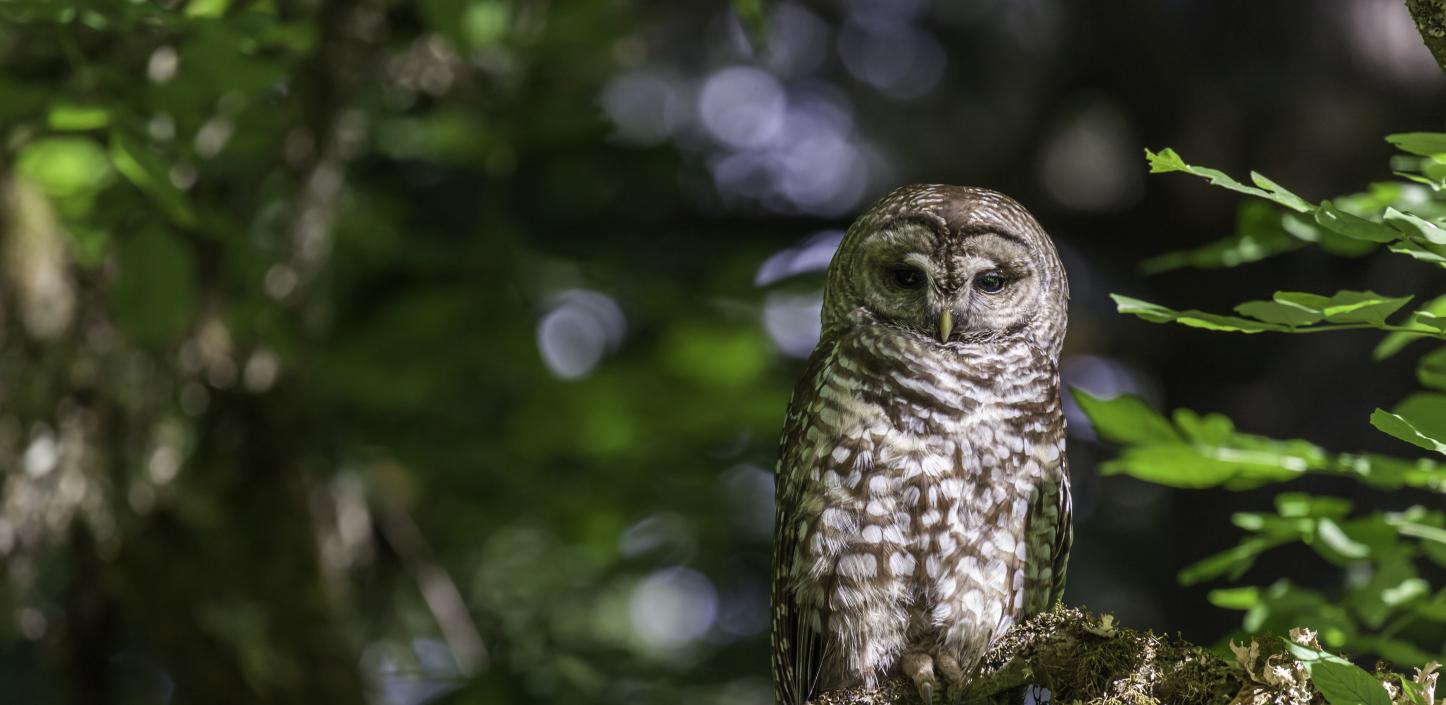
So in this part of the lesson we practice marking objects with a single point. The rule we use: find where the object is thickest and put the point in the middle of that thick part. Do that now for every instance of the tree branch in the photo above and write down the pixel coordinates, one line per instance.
(1430, 17)
(1083, 659)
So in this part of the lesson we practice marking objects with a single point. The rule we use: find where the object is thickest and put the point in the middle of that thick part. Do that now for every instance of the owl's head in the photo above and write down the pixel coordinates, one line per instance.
(951, 265)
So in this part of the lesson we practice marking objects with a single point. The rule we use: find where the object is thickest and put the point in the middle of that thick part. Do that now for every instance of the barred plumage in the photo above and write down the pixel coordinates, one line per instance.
(923, 501)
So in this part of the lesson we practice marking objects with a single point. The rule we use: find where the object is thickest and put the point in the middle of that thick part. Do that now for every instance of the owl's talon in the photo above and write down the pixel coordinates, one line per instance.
(953, 676)
(919, 667)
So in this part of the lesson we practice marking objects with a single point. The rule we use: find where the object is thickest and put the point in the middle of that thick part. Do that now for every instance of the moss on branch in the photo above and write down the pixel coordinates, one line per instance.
(1087, 660)
(1430, 17)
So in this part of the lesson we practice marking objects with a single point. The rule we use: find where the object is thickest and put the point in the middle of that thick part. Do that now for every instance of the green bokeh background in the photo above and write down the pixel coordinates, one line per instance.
(277, 422)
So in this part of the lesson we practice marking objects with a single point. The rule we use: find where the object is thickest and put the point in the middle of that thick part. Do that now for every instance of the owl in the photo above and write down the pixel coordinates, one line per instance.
(923, 503)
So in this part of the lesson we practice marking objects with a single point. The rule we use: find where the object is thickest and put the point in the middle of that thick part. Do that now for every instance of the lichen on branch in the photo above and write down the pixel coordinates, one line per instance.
(1088, 660)
(1430, 17)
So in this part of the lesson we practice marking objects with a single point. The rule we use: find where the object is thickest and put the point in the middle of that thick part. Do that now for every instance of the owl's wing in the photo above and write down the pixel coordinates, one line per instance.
(1063, 535)
(1050, 533)
(797, 643)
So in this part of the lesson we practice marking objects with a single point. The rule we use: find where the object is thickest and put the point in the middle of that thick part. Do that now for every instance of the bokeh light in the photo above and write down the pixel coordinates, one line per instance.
(672, 608)
(581, 328)
(439, 351)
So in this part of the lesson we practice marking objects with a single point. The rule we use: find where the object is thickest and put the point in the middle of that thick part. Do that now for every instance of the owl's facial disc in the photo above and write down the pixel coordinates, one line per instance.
(955, 288)
(991, 287)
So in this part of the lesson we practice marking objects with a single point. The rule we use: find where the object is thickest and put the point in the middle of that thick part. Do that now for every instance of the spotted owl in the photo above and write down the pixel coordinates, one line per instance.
(923, 503)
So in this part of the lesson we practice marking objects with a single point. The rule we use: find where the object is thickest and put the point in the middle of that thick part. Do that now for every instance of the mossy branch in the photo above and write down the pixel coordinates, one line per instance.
(1430, 17)
(1091, 661)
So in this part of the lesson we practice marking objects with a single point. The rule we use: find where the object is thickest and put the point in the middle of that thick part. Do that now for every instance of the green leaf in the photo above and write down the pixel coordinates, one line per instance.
(1374, 532)
(1240, 598)
(1276, 312)
(1431, 370)
(1399, 427)
(1289, 311)
(1206, 451)
(1415, 226)
(1311, 657)
(1167, 161)
(1427, 322)
(1393, 343)
(206, 8)
(1433, 609)
(1274, 526)
(755, 25)
(1154, 313)
(1259, 233)
(65, 167)
(1304, 227)
(1346, 306)
(1347, 684)
(1402, 653)
(1363, 307)
(1421, 143)
(148, 173)
(1330, 534)
(1387, 473)
(1284, 606)
(1229, 324)
(77, 118)
(1419, 420)
(1280, 194)
(1304, 301)
(1125, 419)
(1437, 553)
(1407, 591)
(1433, 184)
(1393, 583)
(1352, 226)
(1188, 467)
(1300, 504)
(1250, 521)
(1197, 451)
(1231, 563)
(1425, 532)
(1210, 429)
(1427, 411)
(1434, 170)
(1423, 251)
(1347, 542)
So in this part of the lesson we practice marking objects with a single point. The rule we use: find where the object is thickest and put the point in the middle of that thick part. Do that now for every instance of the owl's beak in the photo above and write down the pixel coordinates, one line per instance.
(946, 325)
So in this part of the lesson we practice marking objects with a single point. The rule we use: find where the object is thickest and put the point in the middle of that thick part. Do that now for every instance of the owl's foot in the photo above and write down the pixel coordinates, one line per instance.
(953, 675)
(919, 667)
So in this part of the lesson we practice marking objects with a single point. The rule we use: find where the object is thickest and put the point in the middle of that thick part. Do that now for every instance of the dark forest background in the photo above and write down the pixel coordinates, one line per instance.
(401, 351)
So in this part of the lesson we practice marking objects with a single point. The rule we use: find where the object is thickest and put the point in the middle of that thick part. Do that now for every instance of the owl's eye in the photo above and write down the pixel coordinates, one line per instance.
(907, 277)
(990, 282)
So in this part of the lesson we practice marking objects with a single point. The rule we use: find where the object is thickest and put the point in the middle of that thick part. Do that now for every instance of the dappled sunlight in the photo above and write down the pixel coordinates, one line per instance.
(437, 352)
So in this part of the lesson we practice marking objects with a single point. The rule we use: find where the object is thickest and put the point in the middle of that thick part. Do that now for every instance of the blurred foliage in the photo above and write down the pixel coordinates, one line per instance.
(365, 351)
(274, 423)
(1380, 600)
